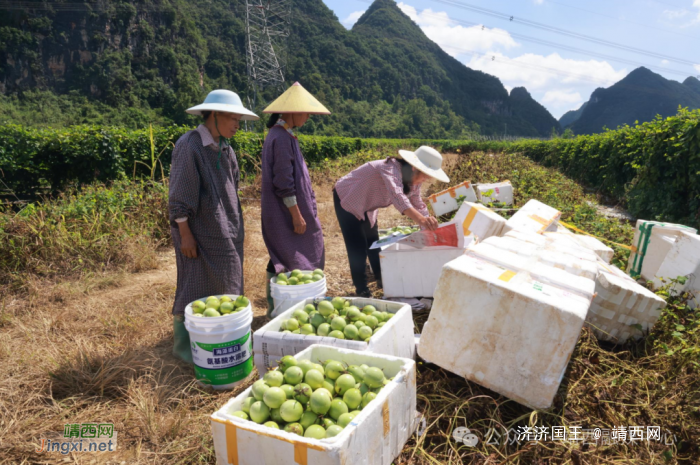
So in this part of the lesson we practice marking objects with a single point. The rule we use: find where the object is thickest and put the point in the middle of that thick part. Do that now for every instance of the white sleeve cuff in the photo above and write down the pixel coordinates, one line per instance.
(290, 201)
(180, 220)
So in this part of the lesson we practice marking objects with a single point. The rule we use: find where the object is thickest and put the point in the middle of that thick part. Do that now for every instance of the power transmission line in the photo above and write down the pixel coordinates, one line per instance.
(556, 30)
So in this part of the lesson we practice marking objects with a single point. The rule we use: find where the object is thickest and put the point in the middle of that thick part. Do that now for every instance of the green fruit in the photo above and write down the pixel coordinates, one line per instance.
(333, 430)
(343, 383)
(291, 411)
(293, 324)
(307, 329)
(314, 378)
(378, 316)
(315, 432)
(288, 390)
(370, 321)
(210, 312)
(301, 316)
(316, 278)
(338, 323)
(308, 418)
(357, 372)
(215, 304)
(367, 398)
(226, 307)
(282, 277)
(302, 393)
(259, 412)
(198, 315)
(274, 378)
(324, 329)
(296, 331)
(338, 302)
(374, 377)
(296, 273)
(354, 313)
(338, 407)
(351, 332)
(293, 281)
(320, 401)
(293, 375)
(239, 414)
(352, 398)
(360, 324)
(271, 424)
(329, 384)
(306, 365)
(369, 309)
(334, 369)
(337, 334)
(325, 308)
(308, 308)
(259, 388)
(295, 428)
(365, 332)
(381, 323)
(286, 362)
(327, 422)
(319, 367)
(245, 406)
(345, 419)
(319, 271)
(198, 306)
(364, 389)
(317, 320)
(282, 283)
(275, 415)
(274, 397)
(242, 302)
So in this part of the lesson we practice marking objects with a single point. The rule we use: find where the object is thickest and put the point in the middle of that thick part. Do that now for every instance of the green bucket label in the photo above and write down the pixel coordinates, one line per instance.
(224, 363)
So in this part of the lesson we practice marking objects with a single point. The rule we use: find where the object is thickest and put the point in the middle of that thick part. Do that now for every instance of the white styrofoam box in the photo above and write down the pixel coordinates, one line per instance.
(652, 241)
(375, 436)
(552, 255)
(603, 251)
(411, 272)
(482, 222)
(620, 303)
(613, 270)
(395, 338)
(504, 327)
(499, 192)
(446, 201)
(682, 260)
(534, 216)
(555, 241)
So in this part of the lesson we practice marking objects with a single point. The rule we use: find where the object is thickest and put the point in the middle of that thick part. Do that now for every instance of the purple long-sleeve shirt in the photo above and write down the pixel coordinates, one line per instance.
(284, 174)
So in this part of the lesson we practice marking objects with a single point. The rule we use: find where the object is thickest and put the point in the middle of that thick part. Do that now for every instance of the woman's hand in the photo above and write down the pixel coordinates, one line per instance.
(188, 246)
(297, 220)
(428, 222)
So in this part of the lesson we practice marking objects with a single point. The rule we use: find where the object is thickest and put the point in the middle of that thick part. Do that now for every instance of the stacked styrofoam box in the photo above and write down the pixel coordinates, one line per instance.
(411, 272)
(603, 251)
(619, 305)
(506, 322)
(497, 192)
(477, 220)
(446, 201)
(534, 216)
(395, 338)
(375, 436)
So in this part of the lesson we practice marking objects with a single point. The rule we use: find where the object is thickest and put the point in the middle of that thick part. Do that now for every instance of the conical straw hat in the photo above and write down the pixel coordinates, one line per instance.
(296, 99)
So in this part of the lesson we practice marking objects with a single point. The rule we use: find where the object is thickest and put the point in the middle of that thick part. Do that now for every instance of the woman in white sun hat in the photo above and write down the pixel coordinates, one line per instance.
(358, 195)
(206, 220)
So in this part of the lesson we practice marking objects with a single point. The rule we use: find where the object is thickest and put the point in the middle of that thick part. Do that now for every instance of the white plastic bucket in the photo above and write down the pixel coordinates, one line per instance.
(222, 347)
(285, 297)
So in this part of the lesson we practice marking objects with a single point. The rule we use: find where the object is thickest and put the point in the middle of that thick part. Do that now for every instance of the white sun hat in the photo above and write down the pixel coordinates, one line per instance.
(427, 160)
(224, 101)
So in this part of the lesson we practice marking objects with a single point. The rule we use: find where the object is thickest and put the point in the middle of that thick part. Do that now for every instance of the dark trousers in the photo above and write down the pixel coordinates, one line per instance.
(358, 236)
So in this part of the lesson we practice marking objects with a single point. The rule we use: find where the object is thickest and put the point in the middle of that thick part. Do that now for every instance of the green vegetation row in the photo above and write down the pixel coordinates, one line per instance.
(653, 167)
(48, 160)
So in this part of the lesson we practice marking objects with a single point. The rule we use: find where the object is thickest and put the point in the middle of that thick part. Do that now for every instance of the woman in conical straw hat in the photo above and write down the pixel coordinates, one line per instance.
(206, 221)
(358, 195)
(290, 225)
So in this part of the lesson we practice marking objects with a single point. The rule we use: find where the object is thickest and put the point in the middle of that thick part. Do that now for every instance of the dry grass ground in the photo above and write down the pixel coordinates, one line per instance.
(97, 349)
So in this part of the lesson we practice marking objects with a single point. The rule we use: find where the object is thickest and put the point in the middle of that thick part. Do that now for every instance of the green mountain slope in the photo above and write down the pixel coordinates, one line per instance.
(134, 62)
(570, 116)
(528, 109)
(693, 84)
(640, 96)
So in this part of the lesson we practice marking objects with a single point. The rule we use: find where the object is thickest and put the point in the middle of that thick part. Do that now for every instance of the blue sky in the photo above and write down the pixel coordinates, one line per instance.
(562, 72)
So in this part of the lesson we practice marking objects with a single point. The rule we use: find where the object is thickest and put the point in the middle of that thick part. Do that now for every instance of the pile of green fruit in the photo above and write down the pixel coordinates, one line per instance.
(214, 306)
(298, 277)
(309, 399)
(336, 318)
(399, 229)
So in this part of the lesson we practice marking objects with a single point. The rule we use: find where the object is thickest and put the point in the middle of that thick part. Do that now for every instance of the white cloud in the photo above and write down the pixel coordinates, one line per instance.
(352, 18)
(674, 15)
(455, 38)
(562, 96)
(697, 68)
(664, 62)
(539, 2)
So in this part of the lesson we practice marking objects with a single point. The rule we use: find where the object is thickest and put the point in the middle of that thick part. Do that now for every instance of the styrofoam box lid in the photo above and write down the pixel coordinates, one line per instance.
(401, 369)
(667, 226)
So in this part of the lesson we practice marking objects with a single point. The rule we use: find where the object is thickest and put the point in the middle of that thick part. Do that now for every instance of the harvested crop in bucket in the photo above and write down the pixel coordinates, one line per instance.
(220, 338)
